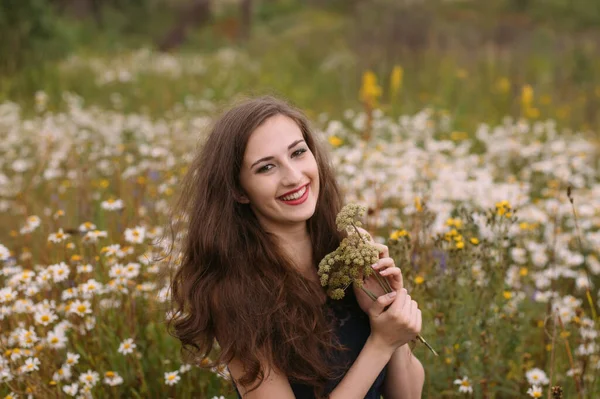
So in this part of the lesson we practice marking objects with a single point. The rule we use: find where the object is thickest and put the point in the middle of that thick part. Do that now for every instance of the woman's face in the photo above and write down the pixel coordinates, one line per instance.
(279, 175)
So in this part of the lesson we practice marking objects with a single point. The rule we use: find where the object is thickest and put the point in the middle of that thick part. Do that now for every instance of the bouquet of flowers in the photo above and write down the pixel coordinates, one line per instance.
(352, 260)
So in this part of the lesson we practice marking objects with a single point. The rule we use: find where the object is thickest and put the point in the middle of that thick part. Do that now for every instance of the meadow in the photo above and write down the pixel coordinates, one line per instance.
(482, 179)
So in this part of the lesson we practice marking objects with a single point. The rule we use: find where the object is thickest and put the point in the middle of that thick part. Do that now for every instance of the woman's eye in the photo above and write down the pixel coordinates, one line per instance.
(296, 153)
(264, 169)
(300, 151)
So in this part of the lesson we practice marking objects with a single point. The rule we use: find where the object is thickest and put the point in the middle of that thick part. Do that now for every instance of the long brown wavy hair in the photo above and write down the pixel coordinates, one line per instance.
(234, 284)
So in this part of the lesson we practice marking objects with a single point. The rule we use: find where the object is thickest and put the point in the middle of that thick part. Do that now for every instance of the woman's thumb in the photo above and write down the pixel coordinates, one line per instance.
(381, 302)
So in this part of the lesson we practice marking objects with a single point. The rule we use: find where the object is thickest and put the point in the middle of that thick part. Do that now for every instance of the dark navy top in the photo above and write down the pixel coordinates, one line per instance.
(352, 329)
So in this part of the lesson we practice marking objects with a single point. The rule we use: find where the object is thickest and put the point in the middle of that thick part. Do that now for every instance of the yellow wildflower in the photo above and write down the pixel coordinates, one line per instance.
(396, 80)
(335, 141)
(540, 323)
(523, 271)
(418, 205)
(419, 280)
(370, 90)
(454, 222)
(398, 234)
(526, 96)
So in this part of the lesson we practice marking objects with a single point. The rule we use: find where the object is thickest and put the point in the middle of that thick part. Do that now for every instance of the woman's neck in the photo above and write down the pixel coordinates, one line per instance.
(297, 245)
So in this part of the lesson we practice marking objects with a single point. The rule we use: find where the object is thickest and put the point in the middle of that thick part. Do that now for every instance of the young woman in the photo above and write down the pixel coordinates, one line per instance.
(260, 201)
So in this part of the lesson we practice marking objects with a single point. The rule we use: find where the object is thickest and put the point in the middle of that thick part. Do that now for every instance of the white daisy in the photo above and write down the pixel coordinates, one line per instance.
(535, 391)
(172, 378)
(111, 250)
(45, 317)
(7, 294)
(537, 376)
(4, 253)
(58, 237)
(56, 339)
(89, 378)
(80, 308)
(464, 385)
(72, 358)
(85, 268)
(93, 236)
(72, 389)
(87, 226)
(32, 223)
(63, 373)
(60, 271)
(135, 235)
(112, 204)
(31, 364)
(127, 346)
(112, 378)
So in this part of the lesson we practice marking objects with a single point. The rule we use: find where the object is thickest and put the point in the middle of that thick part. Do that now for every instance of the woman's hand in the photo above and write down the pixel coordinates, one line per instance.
(386, 268)
(399, 324)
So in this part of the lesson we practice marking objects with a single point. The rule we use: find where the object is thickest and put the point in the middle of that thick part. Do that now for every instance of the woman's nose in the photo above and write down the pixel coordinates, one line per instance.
(292, 175)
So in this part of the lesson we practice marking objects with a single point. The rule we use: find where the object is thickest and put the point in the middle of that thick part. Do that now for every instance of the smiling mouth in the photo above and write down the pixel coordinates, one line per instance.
(295, 195)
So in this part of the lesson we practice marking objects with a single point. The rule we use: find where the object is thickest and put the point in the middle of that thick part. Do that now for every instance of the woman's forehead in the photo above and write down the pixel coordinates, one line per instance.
(272, 138)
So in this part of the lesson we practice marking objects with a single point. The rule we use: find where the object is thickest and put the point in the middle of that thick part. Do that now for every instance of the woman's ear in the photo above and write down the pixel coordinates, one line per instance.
(241, 198)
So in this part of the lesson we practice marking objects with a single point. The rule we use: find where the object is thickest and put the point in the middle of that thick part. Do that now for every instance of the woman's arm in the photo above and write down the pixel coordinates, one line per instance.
(364, 371)
(404, 377)
(356, 383)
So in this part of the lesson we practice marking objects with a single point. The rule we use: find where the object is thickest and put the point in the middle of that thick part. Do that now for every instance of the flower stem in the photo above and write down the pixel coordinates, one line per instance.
(419, 337)
(387, 289)
(382, 282)
(369, 293)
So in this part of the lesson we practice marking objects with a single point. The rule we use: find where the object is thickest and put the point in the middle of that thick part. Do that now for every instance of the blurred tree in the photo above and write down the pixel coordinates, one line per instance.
(520, 5)
(198, 13)
(194, 14)
(30, 33)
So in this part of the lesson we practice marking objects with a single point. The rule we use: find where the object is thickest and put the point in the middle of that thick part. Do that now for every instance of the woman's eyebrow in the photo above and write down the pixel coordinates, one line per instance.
(272, 157)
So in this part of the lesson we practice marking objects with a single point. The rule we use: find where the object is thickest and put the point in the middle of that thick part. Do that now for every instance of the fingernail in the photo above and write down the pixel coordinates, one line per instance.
(392, 294)
(374, 265)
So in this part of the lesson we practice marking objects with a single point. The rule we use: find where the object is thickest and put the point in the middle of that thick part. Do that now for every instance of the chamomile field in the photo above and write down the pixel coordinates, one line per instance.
(483, 182)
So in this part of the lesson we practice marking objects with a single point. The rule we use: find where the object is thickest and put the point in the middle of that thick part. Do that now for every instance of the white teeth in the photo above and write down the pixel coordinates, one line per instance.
(294, 196)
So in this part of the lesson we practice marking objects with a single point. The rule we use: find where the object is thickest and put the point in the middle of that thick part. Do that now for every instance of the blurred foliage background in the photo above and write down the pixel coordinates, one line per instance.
(475, 59)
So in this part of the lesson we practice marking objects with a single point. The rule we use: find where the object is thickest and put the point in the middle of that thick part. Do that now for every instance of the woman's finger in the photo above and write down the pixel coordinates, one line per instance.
(384, 251)
(419, 320)
(384, 263)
